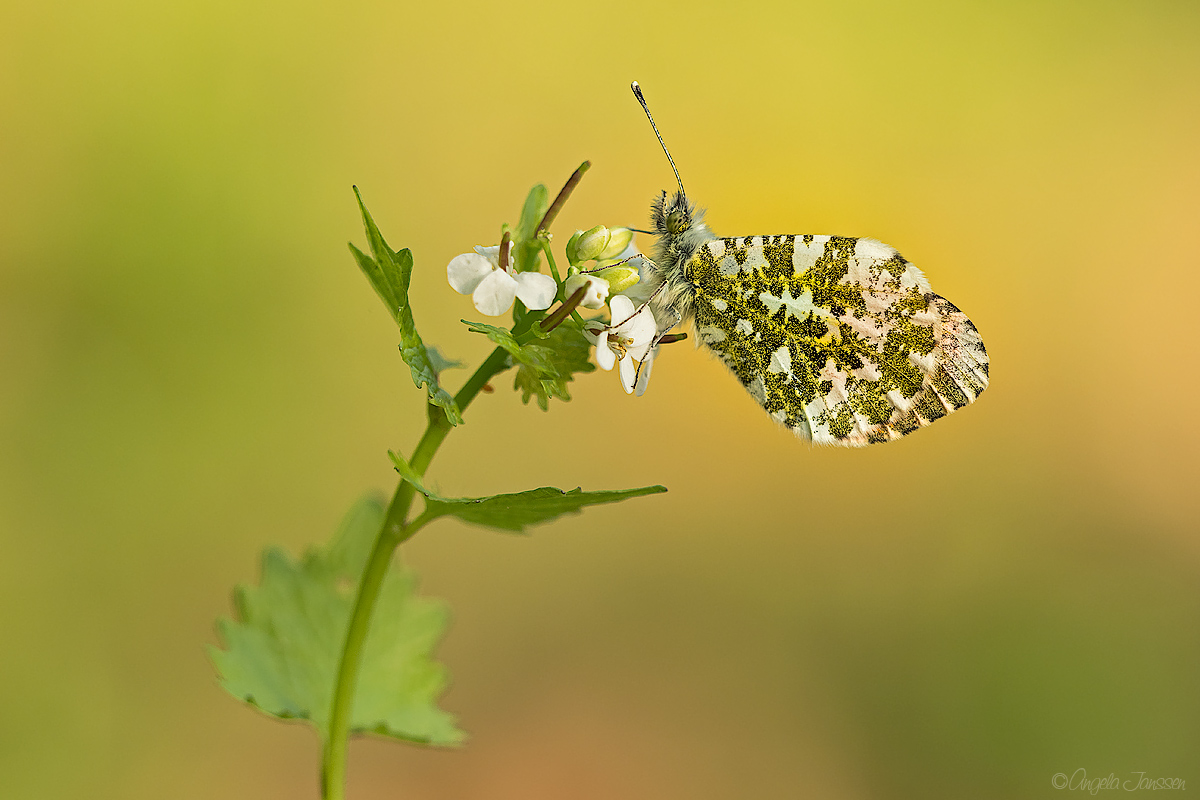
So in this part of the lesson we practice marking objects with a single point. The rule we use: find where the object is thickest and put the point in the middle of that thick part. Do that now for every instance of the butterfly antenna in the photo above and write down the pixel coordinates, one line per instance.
(637, 92)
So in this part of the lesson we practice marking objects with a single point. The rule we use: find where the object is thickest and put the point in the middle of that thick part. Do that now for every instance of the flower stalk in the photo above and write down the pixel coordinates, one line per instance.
(395, 531)
(397, 528)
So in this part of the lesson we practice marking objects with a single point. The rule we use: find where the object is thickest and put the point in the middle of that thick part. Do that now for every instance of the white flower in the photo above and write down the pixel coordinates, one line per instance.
(597, 289)
(493, 289)
(628, 339)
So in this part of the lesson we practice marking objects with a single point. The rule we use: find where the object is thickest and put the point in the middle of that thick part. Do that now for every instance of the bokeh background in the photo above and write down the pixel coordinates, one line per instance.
(192, 368)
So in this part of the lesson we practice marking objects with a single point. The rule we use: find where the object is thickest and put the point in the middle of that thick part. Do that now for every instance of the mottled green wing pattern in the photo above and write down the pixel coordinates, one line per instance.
(839, 339)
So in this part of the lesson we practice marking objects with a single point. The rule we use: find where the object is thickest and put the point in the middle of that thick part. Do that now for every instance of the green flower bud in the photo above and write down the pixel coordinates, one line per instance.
(619, 278)
(590, 244)
(619, 239)
(572, 256)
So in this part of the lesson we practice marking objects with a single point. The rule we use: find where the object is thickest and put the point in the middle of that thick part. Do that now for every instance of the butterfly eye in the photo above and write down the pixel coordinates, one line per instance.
(676, 222)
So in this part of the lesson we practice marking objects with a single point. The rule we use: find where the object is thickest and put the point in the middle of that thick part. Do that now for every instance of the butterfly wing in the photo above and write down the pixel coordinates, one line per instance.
(839, 339)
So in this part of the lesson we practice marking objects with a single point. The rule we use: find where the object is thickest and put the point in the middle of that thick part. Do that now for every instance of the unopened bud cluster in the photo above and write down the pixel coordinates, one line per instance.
(609, 275)
(598, 244)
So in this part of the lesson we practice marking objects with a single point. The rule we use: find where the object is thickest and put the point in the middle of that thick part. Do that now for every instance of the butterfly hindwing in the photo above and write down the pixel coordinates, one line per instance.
(838, 338)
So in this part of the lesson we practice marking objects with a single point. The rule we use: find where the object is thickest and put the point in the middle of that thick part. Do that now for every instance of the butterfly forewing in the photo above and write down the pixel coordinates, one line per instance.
(840, 339)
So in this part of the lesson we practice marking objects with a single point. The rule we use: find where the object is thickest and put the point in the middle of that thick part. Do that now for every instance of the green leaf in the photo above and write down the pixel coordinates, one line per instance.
(282, 650)
(527, 252)
(544, 368)
(389, 273)
(522, 354)
(566, 351)
(514, 512)
(440, 363)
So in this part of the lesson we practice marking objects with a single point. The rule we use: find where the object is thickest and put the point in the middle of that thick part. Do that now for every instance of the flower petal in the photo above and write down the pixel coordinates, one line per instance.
(495, 293)
(605, 358)
(621, 307)
(640, 329)
(536, 290)
(643, 378)
(628, 373)
(638, 351)
(492, 253)
(592, 330)
(466, 271)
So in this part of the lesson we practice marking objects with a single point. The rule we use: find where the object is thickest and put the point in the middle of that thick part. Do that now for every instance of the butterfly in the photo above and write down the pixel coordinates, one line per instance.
(838, 338)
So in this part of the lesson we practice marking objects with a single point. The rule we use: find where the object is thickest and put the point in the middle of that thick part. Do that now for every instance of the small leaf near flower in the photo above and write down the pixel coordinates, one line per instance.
(545, 367)
(566, 350)
(515, 512)
(389, 273)
(521, 354)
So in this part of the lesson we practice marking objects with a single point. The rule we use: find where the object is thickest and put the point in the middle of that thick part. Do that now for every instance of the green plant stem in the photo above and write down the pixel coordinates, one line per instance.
(394, 531)
(550, 260)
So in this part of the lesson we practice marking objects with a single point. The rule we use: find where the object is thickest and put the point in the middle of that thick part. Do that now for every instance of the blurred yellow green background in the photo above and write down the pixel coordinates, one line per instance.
(192, 368)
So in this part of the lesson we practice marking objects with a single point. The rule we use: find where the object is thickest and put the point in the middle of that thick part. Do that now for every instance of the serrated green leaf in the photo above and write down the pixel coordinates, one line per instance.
(527, 253)
(566, 350)
(523, 354)
(282, 651)
(389, 273)
(545, 367)
(514, 512)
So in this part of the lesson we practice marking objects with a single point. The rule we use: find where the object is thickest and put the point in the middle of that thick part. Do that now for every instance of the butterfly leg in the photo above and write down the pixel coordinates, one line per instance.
(616, 264)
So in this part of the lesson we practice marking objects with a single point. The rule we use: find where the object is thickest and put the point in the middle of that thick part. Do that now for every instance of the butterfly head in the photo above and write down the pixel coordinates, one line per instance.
(680, 227)
(674, 217)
